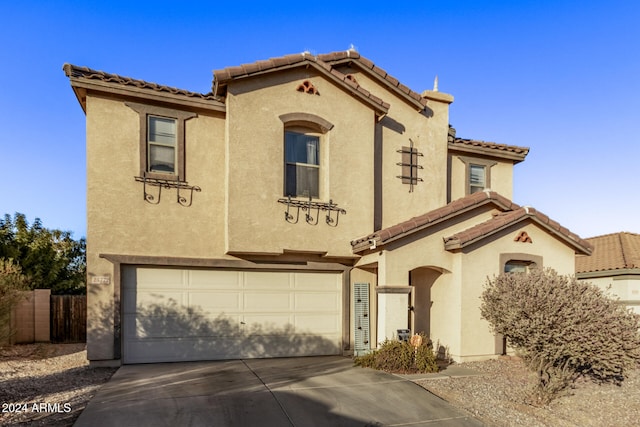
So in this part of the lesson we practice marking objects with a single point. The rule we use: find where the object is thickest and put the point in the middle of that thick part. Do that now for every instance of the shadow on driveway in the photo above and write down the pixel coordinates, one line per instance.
(304, 391)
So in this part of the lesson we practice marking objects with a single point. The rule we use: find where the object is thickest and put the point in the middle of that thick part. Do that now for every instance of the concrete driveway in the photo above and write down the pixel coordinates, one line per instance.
(306, 391)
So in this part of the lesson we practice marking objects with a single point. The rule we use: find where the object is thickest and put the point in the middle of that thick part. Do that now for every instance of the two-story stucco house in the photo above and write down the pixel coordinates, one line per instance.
(308, 205)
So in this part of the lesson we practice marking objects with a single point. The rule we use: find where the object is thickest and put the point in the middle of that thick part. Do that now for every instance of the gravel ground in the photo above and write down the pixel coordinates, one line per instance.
(59, 375)
(46, 384)
(498, 397)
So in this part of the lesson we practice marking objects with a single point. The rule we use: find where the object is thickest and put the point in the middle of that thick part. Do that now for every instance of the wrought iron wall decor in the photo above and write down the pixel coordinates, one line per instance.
(410, 165)
(308, 208)
(154, 199)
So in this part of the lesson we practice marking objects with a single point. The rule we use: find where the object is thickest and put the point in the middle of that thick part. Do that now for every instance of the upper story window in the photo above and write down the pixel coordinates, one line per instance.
(302, 164)
(478, 174)
(304, 171)
(162, 145)
(162, 141)
(477, 178)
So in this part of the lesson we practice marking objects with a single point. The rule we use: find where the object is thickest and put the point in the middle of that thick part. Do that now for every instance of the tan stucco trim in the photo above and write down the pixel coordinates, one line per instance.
(144, 111)
(306, 119)
(80, 86)
(394, 289)
(160, 261)
(519, 256)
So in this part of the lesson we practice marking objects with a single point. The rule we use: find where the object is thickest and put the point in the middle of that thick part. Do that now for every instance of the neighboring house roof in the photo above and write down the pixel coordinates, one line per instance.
(616, 251)
(512, 214)
(108, 82)
(326, 64)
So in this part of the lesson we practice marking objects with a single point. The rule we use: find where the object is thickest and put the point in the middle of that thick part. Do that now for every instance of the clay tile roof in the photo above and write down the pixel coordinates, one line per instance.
(433, 217)
(325, 61)
(74, 71)
(518, 153)
(615, 251)
(506, 219)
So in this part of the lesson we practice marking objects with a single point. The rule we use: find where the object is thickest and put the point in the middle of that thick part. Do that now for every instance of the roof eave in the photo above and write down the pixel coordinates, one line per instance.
(454, 244)
(418, 105)
(380, 108)
(490, 152)
(608, 273)
(78, 84)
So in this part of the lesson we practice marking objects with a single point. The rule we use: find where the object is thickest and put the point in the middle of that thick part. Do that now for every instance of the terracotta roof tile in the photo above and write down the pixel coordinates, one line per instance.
(325, 61)
(433, 217)
(519, 152)
(506, 219)
(90, 74)
(615, 251)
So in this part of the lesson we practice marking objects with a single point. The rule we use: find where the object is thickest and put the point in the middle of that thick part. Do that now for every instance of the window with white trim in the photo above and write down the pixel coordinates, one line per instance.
(302, 164)
(161, 144)
(477, 178)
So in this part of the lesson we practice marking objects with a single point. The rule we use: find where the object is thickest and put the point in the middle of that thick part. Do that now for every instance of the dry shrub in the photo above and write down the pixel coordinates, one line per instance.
(563, 328)
(401, 357)
(12, 285)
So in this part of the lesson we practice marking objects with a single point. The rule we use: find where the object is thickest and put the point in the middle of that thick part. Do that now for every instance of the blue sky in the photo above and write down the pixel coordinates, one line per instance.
(560, 77)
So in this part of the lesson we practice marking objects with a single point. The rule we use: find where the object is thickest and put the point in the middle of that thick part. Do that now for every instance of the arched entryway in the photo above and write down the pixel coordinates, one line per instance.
(421, 310)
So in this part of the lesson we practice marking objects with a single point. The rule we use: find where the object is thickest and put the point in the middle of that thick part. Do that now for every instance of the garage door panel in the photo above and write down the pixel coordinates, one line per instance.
(206, 279)
(221, 314)
(267, 301)
(316, 281)
(215, 301)
(267, 280)
(323, 324)
(148, 278)
(317, 302)
(268, 323)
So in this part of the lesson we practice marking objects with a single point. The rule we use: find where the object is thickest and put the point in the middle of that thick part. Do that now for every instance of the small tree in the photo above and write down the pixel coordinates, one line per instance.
(563, 328)
(12, 283)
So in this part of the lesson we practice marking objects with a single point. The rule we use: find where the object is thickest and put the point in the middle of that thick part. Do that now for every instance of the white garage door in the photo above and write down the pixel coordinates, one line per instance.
(180, 315)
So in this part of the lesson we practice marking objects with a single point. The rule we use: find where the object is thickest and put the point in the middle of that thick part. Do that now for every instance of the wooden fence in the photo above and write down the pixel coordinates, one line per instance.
(68, 318)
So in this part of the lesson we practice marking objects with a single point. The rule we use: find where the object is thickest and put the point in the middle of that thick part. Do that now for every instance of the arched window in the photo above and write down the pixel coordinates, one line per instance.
(304, 172)
(302, 163)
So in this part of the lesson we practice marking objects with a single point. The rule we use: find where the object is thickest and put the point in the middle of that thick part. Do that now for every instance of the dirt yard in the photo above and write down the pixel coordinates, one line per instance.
(46, 384)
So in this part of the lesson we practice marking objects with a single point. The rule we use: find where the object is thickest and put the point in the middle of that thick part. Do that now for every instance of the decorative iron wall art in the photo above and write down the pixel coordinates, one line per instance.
(311, 211)
(184, 191)
(410, 165)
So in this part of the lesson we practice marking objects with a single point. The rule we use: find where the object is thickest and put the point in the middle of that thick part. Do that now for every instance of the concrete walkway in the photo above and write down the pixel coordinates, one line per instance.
(307, 391)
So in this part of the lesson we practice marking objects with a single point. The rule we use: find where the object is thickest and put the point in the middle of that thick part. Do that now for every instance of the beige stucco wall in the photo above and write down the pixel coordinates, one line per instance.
(456, 278)
(501, 176)
(482, 262)
(255, 165)
(120, 221)
(428, 130)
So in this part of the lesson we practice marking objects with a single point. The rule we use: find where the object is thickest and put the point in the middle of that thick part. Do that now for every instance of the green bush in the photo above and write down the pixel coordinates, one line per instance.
(401, 357)
(563, 328)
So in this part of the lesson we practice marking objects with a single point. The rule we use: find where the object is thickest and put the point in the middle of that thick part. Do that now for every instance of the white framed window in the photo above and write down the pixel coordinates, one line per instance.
(302, 164)
(161, 144)
(477, 178)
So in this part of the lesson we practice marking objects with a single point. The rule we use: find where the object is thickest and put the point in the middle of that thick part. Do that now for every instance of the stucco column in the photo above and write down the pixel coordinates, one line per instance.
(393, 304)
